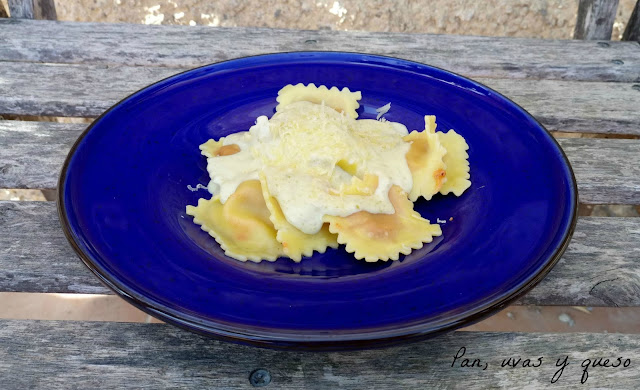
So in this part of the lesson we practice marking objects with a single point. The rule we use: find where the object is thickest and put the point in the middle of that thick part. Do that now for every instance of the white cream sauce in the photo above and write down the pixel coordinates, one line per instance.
(304, 151)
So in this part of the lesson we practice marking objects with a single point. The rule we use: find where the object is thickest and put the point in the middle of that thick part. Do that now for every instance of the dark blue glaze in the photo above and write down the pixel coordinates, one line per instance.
(124, 192)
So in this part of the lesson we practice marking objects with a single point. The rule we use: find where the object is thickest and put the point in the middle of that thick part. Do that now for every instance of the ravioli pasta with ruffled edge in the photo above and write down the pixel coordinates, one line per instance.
(313, 177)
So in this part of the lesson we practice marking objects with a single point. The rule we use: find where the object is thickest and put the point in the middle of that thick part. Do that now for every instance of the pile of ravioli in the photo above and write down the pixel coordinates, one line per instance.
(313, 177)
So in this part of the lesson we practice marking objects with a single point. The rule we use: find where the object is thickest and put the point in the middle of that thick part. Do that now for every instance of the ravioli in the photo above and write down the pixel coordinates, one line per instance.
(457, 163)
(340, 100)
(211, 147)
(374, 237)
(313, 177)
(295, 243)
(242, 225)
(217, 148)
(365, 186)
(426, 161)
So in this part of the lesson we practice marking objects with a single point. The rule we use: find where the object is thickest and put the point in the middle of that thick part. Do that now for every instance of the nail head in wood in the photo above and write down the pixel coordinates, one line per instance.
(260, 377)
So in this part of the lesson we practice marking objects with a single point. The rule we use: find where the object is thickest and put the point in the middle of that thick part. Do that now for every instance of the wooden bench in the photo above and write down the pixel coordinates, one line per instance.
(52, 69)
(594, 21)
(32, 9)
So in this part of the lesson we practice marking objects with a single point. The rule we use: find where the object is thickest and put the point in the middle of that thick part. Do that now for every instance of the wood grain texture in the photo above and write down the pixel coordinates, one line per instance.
(32, 153)
(600, 268)
(88, 90)
(595, 19)
(632, 31)
(607, 170)
(33, 9)
(55, 355)
(44, 10)
(186, 47)
(21, 9)
(35, 255)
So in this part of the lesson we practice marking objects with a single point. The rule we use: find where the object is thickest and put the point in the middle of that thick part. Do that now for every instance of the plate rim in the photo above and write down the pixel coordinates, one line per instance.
(298, 340)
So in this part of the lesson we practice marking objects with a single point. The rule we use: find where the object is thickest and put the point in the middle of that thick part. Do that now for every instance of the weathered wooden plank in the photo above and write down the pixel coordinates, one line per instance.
(32, 153)
(22, 9)
(607, 170)
(181, 46)
(88, 90)
(599, 268)
(55, 355)
(33, 9)
(595, 19)
(45, 10)
(35, 255)
(70, 90)
(632, 31)
(601, 265)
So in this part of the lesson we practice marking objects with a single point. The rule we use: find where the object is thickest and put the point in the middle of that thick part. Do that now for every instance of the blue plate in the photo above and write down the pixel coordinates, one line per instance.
(123, 192)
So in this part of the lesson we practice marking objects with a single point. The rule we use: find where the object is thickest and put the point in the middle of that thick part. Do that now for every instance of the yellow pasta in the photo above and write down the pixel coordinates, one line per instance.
(241, 225)
(425, 159)
(457, 162)
(213, 148)
(295, 243)
(374, 237)
(340, 100)
(313, 177)
(365, 186)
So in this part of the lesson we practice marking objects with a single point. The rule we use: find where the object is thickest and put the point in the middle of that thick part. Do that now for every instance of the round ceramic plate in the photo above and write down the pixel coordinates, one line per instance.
(123, 192)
